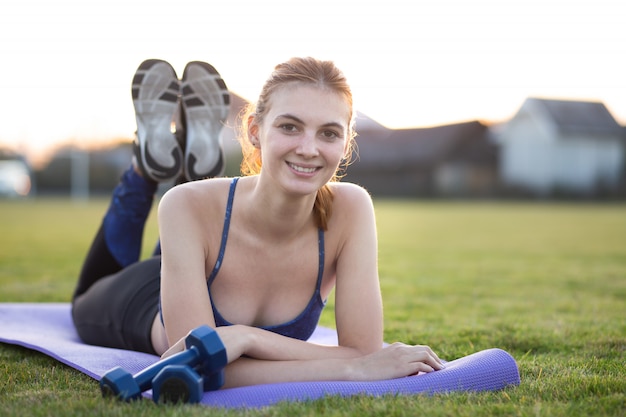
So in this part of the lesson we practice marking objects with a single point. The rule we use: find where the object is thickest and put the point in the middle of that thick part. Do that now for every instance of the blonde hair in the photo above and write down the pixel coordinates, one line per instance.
(308, 71)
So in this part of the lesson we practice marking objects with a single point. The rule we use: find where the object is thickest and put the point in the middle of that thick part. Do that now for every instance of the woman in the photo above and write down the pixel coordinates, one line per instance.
(254, 257)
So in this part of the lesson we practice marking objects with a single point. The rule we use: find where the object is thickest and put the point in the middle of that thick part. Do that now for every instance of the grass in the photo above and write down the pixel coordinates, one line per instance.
(546, 282)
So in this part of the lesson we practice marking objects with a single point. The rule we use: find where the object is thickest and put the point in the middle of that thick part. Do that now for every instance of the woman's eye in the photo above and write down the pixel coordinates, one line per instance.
(330, 134)
(287, 127)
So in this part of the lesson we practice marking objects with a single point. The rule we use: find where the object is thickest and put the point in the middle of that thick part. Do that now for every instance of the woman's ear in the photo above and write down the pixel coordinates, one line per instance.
(253, 132)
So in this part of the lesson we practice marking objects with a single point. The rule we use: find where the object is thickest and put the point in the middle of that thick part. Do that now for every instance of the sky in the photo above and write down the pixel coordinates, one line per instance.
(67, 65)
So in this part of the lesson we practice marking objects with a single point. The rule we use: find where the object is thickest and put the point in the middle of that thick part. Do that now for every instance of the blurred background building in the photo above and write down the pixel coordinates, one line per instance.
(548, 149)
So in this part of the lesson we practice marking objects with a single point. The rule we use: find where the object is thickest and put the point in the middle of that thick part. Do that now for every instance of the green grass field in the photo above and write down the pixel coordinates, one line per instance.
(546, 282)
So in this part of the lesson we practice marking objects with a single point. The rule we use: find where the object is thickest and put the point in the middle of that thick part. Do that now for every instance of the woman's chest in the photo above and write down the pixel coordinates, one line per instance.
(263, 284)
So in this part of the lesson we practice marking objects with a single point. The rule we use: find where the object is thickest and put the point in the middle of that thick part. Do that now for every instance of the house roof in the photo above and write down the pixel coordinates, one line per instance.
(587, 117)
(365, 123)
(412, 147)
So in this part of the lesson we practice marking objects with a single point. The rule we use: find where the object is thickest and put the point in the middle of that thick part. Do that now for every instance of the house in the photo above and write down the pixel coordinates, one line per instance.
(560, 146)
(451, 160)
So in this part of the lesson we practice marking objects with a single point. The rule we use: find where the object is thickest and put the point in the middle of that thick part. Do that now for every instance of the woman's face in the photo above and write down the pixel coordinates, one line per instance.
(303, 136)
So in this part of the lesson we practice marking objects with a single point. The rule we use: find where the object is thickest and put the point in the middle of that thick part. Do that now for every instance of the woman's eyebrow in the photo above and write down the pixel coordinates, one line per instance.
(298, 120)
(289, 116)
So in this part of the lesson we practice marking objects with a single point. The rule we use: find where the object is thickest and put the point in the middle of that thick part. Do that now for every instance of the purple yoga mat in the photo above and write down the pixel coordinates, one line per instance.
(48, 328)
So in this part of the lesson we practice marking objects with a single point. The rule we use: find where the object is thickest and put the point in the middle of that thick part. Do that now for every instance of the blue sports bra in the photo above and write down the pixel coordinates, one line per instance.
(301, 327)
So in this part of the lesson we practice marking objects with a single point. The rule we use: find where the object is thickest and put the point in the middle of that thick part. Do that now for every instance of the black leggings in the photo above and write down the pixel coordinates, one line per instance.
(115, 306)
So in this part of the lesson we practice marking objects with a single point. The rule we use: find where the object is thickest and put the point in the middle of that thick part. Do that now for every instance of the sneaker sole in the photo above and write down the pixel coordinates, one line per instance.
(155, 92)
(206, 103)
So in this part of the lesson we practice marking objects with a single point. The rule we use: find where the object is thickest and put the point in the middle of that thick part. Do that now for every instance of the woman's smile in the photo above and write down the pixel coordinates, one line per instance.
(301, 169)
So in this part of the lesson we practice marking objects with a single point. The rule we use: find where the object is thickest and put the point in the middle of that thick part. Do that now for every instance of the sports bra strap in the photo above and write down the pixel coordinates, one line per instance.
(227, 216)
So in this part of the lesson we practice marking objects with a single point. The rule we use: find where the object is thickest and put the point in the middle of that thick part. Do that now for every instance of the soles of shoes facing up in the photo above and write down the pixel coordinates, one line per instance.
(204, 105)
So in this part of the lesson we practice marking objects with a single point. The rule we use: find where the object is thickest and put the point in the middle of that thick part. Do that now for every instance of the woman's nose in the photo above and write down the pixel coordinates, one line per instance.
(307, 145)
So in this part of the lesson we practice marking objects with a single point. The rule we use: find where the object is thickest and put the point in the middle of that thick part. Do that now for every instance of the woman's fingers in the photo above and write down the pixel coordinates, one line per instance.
(421, 367)
(398, 360)
(421, 357)
(431, 358)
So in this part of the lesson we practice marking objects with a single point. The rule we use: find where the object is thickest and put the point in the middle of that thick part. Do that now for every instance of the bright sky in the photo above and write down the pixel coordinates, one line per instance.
(67, 65)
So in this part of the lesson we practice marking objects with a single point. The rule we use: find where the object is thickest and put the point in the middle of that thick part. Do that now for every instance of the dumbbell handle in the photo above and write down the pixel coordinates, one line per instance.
(189, 356)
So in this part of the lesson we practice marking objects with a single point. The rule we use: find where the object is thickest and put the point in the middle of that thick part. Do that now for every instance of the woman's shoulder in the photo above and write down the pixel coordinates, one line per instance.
(200, 187)
(203, 194)
(348, 191)
(352, 215)
(351, 201)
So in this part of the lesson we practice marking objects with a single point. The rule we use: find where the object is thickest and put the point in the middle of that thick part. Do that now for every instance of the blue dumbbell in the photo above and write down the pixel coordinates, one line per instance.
(214, 381)
(204, 352)
(177, 384)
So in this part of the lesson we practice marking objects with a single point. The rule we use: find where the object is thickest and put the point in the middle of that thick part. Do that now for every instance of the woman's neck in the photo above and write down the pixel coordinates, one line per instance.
(274, 213)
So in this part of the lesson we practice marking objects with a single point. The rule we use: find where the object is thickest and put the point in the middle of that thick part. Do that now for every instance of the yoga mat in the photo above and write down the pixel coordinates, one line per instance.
(48, 328)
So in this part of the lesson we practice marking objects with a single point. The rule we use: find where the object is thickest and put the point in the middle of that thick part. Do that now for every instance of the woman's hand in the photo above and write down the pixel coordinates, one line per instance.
(175, 348)
(395, 361)
(235, 339)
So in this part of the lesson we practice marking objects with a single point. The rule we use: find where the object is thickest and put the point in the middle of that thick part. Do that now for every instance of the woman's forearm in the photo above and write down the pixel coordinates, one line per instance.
(257, 356)
(264, 345)
(248, 371)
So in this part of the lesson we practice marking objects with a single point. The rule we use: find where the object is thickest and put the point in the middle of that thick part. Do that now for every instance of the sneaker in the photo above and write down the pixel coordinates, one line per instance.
(205, 105)
(155, 93)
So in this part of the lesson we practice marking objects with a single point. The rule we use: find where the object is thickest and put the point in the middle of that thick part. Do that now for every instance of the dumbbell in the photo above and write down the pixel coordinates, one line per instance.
(177, 384)
(181, 384)
(204, 352)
